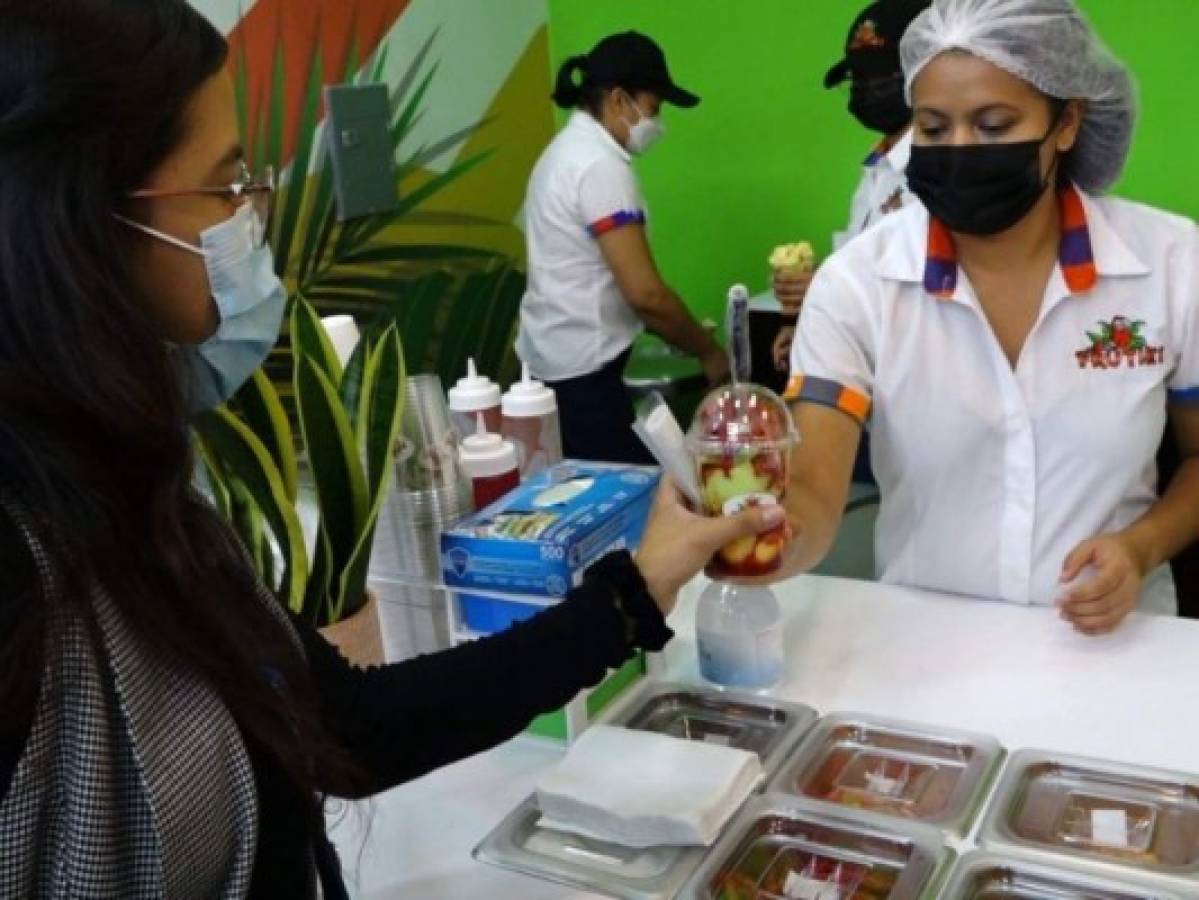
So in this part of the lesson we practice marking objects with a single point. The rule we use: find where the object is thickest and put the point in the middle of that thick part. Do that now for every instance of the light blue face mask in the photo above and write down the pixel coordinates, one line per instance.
(250, 300)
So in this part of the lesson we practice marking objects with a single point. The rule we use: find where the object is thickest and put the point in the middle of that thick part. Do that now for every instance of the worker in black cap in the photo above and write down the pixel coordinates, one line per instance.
(873, 71)
(876, 99)
(593, 285)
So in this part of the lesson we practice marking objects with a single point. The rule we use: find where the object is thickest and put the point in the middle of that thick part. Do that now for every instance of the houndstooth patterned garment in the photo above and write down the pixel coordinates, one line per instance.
(135, 781)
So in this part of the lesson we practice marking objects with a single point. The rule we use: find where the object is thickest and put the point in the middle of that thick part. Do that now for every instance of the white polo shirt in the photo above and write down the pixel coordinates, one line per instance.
(990, 477)
(573, 318)
(882, 190)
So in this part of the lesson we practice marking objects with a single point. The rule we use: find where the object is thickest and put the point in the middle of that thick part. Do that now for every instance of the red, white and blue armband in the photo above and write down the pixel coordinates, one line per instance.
(617, 220)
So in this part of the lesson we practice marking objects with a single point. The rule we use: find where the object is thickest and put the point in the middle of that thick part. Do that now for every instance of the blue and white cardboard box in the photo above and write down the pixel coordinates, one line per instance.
(540, 539)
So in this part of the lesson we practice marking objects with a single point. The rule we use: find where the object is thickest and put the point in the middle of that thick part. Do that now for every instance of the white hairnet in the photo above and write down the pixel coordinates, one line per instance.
(1049, 44)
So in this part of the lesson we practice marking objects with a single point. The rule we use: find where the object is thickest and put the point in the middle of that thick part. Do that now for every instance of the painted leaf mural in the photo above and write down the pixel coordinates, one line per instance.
(446, 264)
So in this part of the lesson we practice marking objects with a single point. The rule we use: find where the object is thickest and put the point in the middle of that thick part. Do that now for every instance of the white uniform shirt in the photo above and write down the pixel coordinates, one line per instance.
(990, 477)
(573, 318)
(882, 190)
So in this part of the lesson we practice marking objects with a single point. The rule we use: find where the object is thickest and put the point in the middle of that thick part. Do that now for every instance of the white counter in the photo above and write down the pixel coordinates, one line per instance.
(1019, 674)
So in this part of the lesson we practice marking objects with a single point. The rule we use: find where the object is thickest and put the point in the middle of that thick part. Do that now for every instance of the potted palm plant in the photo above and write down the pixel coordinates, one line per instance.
(304, 410)
(349, 423)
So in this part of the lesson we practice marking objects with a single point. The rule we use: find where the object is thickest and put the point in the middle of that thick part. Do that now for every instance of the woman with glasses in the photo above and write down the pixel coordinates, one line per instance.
(167, 729)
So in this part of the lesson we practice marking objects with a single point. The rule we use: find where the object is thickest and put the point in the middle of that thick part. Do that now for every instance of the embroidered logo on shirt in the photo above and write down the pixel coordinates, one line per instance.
(1119, 343)
(867, 37)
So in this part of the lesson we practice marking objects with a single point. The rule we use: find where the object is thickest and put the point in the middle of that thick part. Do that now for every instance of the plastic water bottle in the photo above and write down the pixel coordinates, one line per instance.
(739, 630)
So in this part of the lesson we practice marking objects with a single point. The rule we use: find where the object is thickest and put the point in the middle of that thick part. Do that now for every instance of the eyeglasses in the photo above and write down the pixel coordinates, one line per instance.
(258, 189)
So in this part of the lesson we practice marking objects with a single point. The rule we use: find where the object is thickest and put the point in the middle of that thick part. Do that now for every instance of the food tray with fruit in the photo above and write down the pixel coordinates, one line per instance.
(1117, 816)
(780, 848)
(901, 769)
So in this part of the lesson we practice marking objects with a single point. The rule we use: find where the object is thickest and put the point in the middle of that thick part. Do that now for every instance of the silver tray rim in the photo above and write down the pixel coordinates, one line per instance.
(975, 861)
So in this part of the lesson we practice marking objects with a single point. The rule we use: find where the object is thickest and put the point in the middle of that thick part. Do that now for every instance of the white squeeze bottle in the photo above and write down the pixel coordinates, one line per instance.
(472, 395)
(491, 463)
(530, 420)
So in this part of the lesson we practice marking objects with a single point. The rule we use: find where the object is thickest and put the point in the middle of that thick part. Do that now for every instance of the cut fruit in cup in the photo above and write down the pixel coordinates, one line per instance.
(768, 550)
(730, 488)
(739, 552)
(741, 440)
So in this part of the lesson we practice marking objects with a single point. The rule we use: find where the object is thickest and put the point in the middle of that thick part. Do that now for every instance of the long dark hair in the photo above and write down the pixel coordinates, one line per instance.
(93, 435)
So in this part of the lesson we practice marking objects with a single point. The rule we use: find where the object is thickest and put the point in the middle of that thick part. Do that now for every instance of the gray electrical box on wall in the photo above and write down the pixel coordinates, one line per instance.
(358, 129)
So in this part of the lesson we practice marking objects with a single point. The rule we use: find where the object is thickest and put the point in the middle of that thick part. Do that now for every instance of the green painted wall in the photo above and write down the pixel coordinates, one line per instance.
(770, 156)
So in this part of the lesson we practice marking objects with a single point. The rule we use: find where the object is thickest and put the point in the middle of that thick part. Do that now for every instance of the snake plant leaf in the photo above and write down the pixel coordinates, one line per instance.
(335, 461)
(245, 458)
(259, 404)
(311, 342)
(217, 484)
(353, 390)
(385, 388)
(318, 604)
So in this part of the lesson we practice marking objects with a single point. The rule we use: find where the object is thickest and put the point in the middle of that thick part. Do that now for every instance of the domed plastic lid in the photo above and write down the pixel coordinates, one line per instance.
(741, 417)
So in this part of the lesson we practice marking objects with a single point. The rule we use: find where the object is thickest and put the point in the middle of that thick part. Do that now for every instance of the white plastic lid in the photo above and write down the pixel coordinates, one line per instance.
(486, 455)
(474, 391)
(528, 399)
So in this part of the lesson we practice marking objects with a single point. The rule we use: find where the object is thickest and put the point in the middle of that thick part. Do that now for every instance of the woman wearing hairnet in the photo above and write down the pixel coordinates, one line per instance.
(1014, 341)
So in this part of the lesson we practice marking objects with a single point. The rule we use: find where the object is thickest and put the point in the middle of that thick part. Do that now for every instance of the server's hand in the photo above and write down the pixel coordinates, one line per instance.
(678, 543)
(1109, 587)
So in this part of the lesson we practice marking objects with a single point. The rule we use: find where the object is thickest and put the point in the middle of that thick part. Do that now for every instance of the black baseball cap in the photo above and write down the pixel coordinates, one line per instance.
(872, 48)
(633, 61)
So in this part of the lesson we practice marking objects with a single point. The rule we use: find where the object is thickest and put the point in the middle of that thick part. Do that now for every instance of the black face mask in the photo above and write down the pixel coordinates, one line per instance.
(880, 105)
(980, 189)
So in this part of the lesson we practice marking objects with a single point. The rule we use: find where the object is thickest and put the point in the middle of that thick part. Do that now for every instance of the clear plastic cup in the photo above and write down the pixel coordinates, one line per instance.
(741, 442)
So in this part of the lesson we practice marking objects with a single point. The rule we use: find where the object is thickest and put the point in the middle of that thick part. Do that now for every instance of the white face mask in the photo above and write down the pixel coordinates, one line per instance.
(643, 133)
(250, 299)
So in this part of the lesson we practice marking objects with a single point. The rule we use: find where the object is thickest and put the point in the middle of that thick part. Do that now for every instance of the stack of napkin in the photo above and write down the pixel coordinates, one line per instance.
(642, 789)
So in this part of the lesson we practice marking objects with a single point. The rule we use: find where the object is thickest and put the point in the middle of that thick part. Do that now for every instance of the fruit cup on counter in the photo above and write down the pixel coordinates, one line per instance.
(741, 441)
